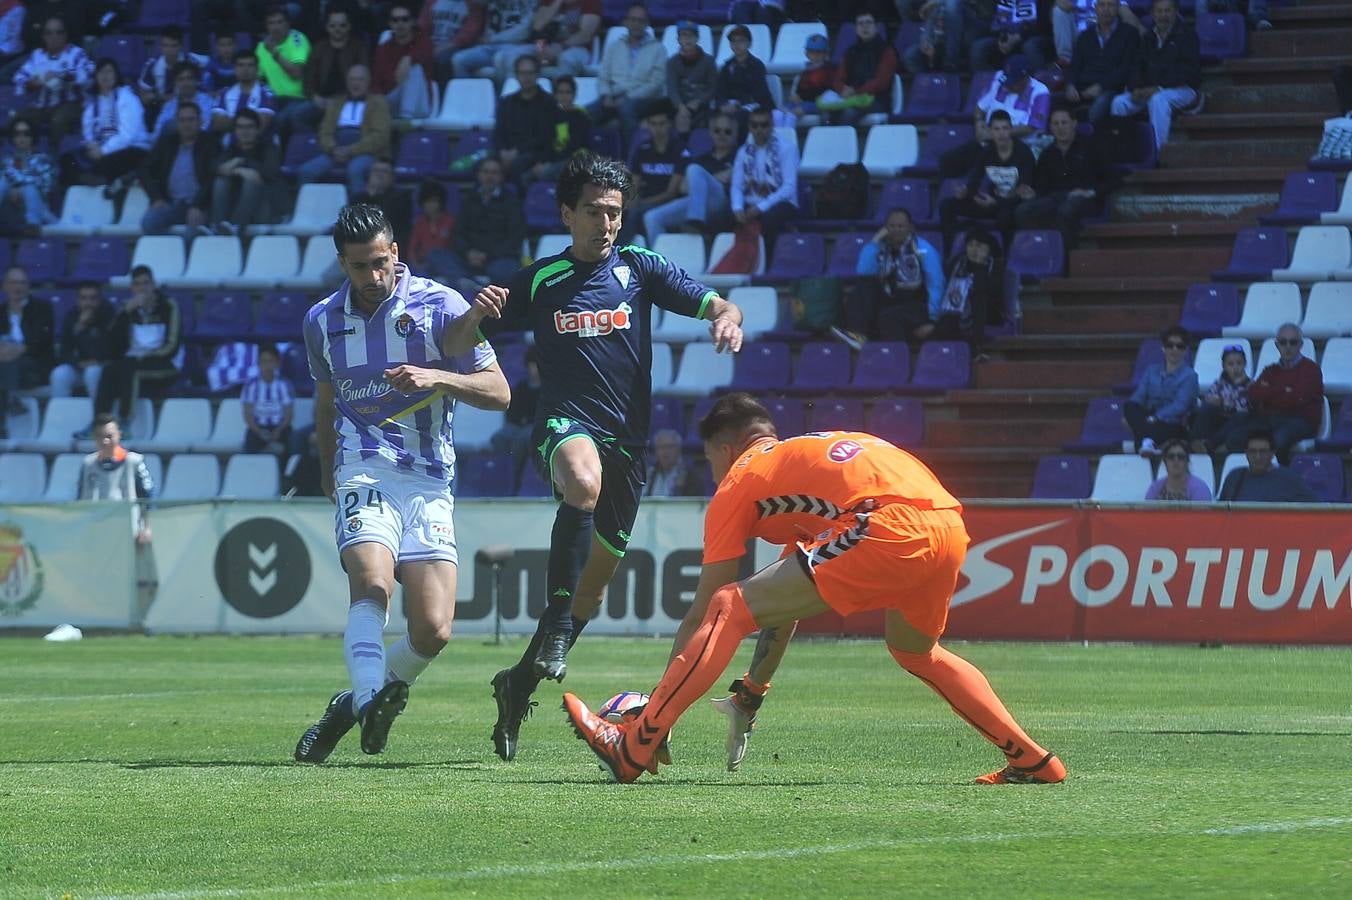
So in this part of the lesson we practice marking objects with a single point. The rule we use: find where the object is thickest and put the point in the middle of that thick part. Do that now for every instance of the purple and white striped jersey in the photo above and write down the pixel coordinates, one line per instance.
(375, 422)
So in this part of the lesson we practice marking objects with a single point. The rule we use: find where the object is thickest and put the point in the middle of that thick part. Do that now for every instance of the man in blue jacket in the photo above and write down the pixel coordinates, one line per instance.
(904, 279)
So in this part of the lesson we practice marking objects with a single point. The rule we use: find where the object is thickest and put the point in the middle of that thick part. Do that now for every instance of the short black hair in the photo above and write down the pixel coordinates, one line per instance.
(245, 53)
(739, 31)
(565, 79)
(585, 168)
(250, 114)
(1177, 331)
(103, 419)
(88, 284)
(1173, 442)
(172, 32)
(360, 223)
(1264, 434)
(1062, 106)
(429, 188)
(1001, 115)
(733, 414)
(276, 9)
(184, 65)
(143, 269)
(903, 210)
(660, 106)
(269, 347)
(105, 61)
(526, 57)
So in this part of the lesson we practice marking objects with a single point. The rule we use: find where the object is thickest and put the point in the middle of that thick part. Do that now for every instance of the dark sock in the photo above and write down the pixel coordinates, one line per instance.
(523, 673)
(569, 545)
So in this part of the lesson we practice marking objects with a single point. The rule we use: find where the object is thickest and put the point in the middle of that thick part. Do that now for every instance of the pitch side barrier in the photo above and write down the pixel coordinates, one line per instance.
(1263, 573)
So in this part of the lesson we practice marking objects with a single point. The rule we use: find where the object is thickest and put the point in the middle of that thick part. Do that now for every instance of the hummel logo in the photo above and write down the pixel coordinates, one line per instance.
(563, 592)
(622, 535)
(342, 332)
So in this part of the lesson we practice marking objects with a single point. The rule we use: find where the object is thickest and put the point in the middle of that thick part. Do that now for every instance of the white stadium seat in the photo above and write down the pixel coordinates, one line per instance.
(890, 148)
(587, 91)
(185, 422)
(214, 261)
(63, 484)
(702, 369)
(1337, 365)
(1267, 305)
(1328, 311)
(317, 206)
(776, 87)
(1343, 215)
(271, 258)
(828, 146)
(23, 426)
(318, 267)
(662, 368)
(760, 309)
(723, 242)
(192, 476)
(1232, 461)
(684, 250)
(155, 466)
(227, 430)
(1121, 477)
(789, 57)
(251, 476)
(552, 244)
(677, 329)
(63, 417)
(1320, 252)
(84, 211)
(1269, 354)
(23, 477)
(1207, 361)
(465, 104)
(163, 253)
(761, 46)
(672, 46)
(511, 86)
(473, 428)
(134, 206)
(303, 415)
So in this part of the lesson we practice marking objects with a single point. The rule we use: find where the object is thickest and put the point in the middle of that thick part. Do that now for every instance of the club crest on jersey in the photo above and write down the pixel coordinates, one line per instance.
(844, 451)
(622, 276)
(403, 325)
(593, 323)
(354, 524)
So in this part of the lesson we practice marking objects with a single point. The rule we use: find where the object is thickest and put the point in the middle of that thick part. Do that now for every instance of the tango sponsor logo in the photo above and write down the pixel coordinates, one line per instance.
(593, 323)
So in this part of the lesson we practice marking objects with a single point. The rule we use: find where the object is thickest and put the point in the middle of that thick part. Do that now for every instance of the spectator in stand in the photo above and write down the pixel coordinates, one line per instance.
(523, 131)
(973, 297)
(964, 23)
(562, 33)
(741, 84)
(434, 229)
(248, 176)
(81, 20)
(1024, 100)
(187, 90)
(668, 474)
(1102, 60)
(757, 12)
(246, 93)
(633, 71)
(27, 341)
(927, 54)
(27, 177)
(282, 54)
(12, 49)
(269, 404)
(53, 81)
(155, 84)
(326, 71)
(1166, 394)
(219, 72)
(1167, 72)
(145, 339)
(404, 66)
(1287, 397)
(765, 178)
(452, 25)
(1072, 181)
(84, 344)
(1255, 11)
(1001, 179)
(901, 280)
(505, 23)
(691, 79)
(705, 204)
(488, 237)
(114, 130)
(1222, 418)
(356, 129)
(514, 437)
(572, 130)
(177, 174)
(864, 78)
(658, 165)
(1262, 482)
(382, 191)
(1069, 18)
(817, 78)
(1177, 483)
(1015, 31)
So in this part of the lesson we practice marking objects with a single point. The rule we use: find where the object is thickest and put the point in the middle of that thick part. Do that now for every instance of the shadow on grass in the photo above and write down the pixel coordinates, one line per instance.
(1228, 732)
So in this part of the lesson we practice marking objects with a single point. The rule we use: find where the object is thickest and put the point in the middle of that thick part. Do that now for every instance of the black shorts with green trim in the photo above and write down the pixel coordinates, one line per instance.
(623, 473)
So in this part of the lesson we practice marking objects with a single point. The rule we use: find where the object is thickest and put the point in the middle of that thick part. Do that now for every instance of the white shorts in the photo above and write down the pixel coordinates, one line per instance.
(409, 514)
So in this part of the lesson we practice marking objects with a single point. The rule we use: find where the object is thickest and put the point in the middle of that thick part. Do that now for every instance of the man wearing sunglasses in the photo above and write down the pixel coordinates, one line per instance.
(1287, 397)
(1165, 395)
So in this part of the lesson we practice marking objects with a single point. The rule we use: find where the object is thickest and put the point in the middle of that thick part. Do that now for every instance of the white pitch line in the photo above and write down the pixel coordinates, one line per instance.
(552, 869)
(138, 695)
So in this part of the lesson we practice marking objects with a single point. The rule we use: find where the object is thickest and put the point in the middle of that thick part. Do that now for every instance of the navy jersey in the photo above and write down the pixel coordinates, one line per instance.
(593, 332)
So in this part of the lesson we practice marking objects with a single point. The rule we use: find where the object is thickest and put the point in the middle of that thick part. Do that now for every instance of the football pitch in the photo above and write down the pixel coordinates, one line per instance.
(161, 767)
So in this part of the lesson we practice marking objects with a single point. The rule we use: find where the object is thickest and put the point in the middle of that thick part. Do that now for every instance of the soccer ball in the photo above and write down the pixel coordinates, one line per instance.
(623, 706)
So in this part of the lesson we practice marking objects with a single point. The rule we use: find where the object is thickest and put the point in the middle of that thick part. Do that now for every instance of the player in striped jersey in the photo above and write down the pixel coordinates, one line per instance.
(386, 388)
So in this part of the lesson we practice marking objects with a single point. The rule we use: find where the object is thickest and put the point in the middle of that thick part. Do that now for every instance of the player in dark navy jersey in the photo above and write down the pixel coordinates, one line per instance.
(590, 309)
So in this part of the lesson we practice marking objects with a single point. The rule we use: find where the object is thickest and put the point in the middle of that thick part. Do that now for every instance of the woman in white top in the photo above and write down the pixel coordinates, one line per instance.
(114, 137)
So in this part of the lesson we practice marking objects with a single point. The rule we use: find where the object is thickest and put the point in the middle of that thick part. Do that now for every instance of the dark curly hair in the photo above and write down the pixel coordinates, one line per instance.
(588, 168)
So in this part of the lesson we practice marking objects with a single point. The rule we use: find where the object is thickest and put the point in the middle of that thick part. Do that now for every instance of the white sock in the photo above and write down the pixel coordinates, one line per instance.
(364, 647)
(403, 663)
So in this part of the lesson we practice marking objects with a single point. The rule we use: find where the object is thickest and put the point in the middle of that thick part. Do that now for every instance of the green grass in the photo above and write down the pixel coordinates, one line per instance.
(162, 766)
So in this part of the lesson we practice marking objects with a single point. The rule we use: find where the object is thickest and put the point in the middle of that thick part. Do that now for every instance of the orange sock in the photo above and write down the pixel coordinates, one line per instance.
(692, 671)
(970, 694)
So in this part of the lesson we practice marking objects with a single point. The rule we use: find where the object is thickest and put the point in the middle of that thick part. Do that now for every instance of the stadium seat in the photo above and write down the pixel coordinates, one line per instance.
(1266, 306)
(23, 477)
(1121, 478)
(83, 210)
(465, 103)
(789, 415)
(798, 254)
(185, 423)
(1336, 365)
(99, 259)
(1209, 308)
(1320, 252)
(981, 83)
(304, 414)
(701, 370)
(722, 243)
(845, 253)
(705, 40)
(227, 430)
(941, 366)
(154, 15)
(473, 428)
(1207, 359)
(677, 329)
(191, 476)
(1339, 439)
(512, 86)
(1232, 461)
(1256, 253)
(760, 309)
(1328, 311)
(1221, 36)
(224, 316)
(890, 148)
(214, 261)
(899, 420)
(587, 90)
(60, 420)
(1323, 472)
(761, 44)
(684, 250)
(552, 245)
(318, 267)
(837, 414)
(1035, 254)
(63, 484)
(663, 368)
(1147, 354)
(910, 194)
(1103, 428)
(761, 367)
(788, 55)
(162, 253)
(933, 96)
(470, 146)
(127, 50)
(423, 154)
(882, 366)
(271, 258)
(301, 147)
(533, 484)
(542, 207)
(1269, 354)
(280, 316)
(134, 206)
(1305, 197)
(668, 413)
(317, 206)
(251, 476)
(822, 366)
(485, 475)
(22, 426)
(828, 146)
(939, 139)
(1061, 478)
(1343, 214)
(43, 258)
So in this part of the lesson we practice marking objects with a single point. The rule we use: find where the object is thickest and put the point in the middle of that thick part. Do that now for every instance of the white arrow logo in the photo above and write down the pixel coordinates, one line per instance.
(262, 577)
(262, 559)
(261, 584)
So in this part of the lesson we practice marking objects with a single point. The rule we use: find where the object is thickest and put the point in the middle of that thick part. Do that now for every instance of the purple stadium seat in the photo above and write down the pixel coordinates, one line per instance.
(1145, 155)
(542, 208)
(882, 366)
(845, 39)
(908, 35)
(664, 12)
(280, 316)
(423, 154)
(761, 366)
(511, 356)
(127, 50)
(155, 14)
(1210, 307)
(1149, 353)
(100, 258)
(1222, 36)
(63, 304)
(837, 414)
(910, 194)
(900, 420)
(1323, 472)
(699, 142)
(44, 259)
(691, 440)
(941, 366)
(533, 484)
(667, 413)
(788, 413)
(605, 142)
(300, 149)
(1061, 478)
(1304, 196)
(932, 96)
(1257, 251)
(11, 101)
(225, 316)
(981, 82)
(845, 253)
(939, 139)
(797, 254)
(1103, 429)
(823, 366)
(484, 475)
(295, 366)
(1036, 254)
(187, 310)
(1340, 436)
